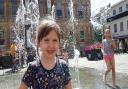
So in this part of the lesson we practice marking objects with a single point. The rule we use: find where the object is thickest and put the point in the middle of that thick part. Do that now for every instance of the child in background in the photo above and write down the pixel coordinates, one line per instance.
(108, 54)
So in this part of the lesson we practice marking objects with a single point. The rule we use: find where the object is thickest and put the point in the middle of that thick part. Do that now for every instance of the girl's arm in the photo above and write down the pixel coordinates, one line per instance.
(102, 47)
(113, 44)
(69, 85)
(23, 86)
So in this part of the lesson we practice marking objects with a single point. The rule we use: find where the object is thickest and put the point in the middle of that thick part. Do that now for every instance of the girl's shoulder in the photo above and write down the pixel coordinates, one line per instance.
(113, 40)
(104, 40)
(34, 65)
(63, 63)
(63, 66)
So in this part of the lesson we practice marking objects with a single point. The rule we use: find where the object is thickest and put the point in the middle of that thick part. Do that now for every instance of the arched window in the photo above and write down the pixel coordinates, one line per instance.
(1, 7)
(58, 8)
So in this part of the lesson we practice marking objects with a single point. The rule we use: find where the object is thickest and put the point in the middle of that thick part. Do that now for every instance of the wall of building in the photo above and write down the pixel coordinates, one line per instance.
(6, 21)
(116, 7)
(125, 27)
(119, 32)
(81, 24)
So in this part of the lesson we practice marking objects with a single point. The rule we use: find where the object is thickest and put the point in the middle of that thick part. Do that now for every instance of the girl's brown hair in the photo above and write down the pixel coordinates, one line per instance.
(44, 28)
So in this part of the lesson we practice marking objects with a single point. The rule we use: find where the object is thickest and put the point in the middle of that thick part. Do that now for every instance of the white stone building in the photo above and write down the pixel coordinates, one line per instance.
(118, 22)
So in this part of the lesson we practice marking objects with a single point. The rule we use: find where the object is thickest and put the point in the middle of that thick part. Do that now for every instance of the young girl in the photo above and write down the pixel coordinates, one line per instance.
(108, 54)
(50, 72)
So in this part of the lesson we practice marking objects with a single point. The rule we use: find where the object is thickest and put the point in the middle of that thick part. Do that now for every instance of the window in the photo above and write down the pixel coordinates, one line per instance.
(48, 6)
(12, 0)
(1, 7)
(14, 10)
(69, 9)
(58, 13)
(121, 26)
(1, 1)
(114, 12)
(68, 14)
(115, 27)
(80, 13)
(58, 8)
(127, 24)
(81, 35)
(1, 37)
(120, 9)
(13, 7)
(80, 9)
(126, 6)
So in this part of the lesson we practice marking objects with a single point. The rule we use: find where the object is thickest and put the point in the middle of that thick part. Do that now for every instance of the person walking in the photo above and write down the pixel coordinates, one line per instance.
(121, 47)
(108, 46)
(13, 50)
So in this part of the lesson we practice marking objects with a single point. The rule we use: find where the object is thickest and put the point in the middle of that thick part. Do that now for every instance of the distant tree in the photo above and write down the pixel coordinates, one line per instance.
(101, 17)
(97, 34)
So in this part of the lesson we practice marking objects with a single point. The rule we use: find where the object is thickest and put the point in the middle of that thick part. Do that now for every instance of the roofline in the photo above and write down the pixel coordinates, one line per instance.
(117, 3)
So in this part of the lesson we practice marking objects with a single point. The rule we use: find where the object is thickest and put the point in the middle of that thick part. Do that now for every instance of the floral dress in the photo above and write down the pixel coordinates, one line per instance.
(37, 77)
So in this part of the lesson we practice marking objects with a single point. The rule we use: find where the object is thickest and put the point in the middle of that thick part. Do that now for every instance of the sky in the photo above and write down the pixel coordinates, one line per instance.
(96, 4)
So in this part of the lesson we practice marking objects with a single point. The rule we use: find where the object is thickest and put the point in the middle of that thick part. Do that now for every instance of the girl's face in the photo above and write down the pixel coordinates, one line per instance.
(49, 45)
(107, 34)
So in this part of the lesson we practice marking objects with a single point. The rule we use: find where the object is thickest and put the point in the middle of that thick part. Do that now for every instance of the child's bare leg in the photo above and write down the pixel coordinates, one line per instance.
(108, 64)
(113, 72)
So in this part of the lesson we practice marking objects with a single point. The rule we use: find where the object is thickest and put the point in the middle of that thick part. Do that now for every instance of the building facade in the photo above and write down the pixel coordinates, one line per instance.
(82, 26)
(8, 10)
(118, 22)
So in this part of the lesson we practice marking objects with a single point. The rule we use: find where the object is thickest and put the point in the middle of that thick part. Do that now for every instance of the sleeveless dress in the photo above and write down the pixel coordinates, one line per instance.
(108, 51)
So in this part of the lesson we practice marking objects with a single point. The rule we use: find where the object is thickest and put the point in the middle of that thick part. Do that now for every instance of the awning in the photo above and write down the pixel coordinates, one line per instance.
(119, 37)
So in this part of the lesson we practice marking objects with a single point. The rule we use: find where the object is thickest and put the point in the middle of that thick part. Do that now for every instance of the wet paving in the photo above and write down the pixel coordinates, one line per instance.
(92, 79)
(10, 81)
(89, 78)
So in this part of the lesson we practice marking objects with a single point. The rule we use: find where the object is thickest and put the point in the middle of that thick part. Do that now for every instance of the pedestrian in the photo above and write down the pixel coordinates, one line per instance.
(1, 54)
(31, 54)
(108, 46)
(49, 72)
(121, 47)
(65, 55)
(13, 50)
(1, 63)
